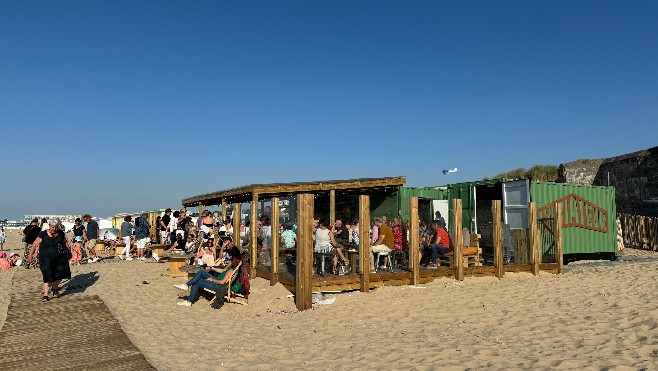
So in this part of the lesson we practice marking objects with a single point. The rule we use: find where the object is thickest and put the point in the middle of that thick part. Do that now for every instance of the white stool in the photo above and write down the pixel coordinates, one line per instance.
(389, 265)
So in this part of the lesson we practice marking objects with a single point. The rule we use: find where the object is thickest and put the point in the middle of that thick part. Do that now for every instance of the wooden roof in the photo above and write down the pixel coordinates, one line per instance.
(245, 193)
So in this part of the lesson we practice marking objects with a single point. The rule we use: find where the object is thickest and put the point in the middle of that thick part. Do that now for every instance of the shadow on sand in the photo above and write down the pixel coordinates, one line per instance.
(80, 283)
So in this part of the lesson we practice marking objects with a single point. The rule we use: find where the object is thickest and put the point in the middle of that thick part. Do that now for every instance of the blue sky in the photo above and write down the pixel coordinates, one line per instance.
(122, 106)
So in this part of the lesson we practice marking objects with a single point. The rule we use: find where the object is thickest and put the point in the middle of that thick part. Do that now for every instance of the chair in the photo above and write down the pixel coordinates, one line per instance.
(232, 278)
(319, 259)
(400, 258)
(378, 255)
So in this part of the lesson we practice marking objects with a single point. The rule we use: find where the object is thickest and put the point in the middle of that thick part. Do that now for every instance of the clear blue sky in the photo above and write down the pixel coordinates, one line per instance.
(114, 106)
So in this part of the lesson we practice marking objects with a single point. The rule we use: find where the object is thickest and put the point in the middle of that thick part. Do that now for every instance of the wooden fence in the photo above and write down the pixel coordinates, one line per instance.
(639, 231)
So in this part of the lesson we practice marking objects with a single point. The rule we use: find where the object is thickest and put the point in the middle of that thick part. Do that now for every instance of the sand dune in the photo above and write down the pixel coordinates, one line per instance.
(601, 316)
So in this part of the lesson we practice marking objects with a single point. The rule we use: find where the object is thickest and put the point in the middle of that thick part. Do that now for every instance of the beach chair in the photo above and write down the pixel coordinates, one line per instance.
(241, 297)
(232, 278)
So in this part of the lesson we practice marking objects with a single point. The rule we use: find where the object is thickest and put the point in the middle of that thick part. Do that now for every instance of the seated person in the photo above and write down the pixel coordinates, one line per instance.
(384, 241)
(288, 237)
(4, 262)
(178, 244)
(326, 244)
(217, 282)
(441, 243)
(341, 234)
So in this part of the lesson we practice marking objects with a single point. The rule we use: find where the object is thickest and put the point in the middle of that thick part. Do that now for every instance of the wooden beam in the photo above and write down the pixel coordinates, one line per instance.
(224, 206)
(253, 229)
(535, 243)
(304, 273)
(557, 234)
(200, 210)
(332, 207)
(498, 238)
(274, 249)
(458, 241)
(414, 241)
(364, 241)
(236, 225)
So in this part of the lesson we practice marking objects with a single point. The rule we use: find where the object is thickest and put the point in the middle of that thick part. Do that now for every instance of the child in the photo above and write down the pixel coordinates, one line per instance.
(76, 254)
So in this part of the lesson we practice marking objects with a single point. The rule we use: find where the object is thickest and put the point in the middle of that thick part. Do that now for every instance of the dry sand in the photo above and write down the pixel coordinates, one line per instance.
(596, 315)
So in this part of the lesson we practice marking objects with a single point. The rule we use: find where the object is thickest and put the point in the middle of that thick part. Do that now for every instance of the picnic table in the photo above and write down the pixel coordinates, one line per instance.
(177, 260)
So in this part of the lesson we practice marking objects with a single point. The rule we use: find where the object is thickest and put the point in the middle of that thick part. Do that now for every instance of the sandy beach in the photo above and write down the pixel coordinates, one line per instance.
(597, 315)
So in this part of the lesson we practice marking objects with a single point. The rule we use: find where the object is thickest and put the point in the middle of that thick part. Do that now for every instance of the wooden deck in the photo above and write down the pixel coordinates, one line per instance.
(73, 332)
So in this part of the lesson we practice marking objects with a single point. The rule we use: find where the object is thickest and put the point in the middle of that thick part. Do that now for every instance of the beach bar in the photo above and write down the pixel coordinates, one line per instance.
(302, 271)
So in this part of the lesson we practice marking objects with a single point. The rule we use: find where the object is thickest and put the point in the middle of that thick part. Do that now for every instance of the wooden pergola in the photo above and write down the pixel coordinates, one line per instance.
(303, 283)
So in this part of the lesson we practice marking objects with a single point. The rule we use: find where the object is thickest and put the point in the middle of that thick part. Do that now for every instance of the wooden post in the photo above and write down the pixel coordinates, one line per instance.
(253, 229)
(332, 207)
(557, 236)
(304, 273)
(458, 241)
(414, 241)
(498, 238)
(224, 212)
(364, 241)
(274, 249)
(236, 225)
(534, 238)
(200, 210)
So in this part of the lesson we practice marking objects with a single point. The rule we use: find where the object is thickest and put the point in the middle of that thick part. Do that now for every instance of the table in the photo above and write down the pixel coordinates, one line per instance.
(157, 249)
(191, 270)
(176, 262)
(100, 248)
(118, 248)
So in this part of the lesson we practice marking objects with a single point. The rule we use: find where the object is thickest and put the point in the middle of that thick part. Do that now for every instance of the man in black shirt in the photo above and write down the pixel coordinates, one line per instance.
(31, 232)
(164, 226)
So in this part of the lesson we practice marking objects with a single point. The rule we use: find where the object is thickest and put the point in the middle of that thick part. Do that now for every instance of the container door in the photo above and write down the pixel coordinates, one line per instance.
(516, 196)
(442, 206)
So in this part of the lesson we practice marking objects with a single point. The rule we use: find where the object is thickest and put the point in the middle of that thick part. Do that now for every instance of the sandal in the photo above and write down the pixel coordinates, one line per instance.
(346, 262)
(44, 299)
(55, 293)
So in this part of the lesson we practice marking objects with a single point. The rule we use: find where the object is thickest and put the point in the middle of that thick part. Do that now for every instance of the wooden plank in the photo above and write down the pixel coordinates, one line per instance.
(518, 268)
(29, 341)
(224, 216)
(364, 241)
(236, 225)
(303, 288)
(535, 242)
(340, 280)
(253, 229)
(557, 235)
(332, 208)
(414, 241)
(498, 238)
(458, 241)
(425, 273)
(274, 250)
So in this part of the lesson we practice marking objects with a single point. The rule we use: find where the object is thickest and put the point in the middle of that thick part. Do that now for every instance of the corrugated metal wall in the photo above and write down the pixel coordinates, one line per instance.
(588, 232)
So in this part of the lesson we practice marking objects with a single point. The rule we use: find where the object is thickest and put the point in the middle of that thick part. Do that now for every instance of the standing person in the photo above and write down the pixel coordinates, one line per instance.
(3, 237)
(164, 226)
(31, 232)
(90, 236)
(182, 222)
(142, 228)
(53, 251)
(126, 233)
(78, 237)
(440, 219)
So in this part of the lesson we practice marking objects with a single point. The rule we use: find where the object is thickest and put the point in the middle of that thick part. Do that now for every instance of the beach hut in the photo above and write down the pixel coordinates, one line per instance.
(297, 269)
(589, 213)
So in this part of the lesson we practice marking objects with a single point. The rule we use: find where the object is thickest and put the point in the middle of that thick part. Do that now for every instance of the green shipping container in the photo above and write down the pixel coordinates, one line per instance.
(589, 215)
(398, 202)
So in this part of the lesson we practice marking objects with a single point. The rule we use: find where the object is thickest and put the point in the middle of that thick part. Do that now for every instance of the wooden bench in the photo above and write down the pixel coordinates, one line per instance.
(471, 254)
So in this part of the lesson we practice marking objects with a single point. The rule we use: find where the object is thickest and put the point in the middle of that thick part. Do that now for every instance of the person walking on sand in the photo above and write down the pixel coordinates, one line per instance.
(53, 252)
(90, 236)
(126, 233)
(31, 232)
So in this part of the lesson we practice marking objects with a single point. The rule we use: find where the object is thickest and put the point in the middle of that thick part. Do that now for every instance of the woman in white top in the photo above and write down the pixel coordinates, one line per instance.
(326, 244)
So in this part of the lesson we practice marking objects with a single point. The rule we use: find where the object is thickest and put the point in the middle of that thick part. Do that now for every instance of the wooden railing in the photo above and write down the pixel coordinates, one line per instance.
(639, 231)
